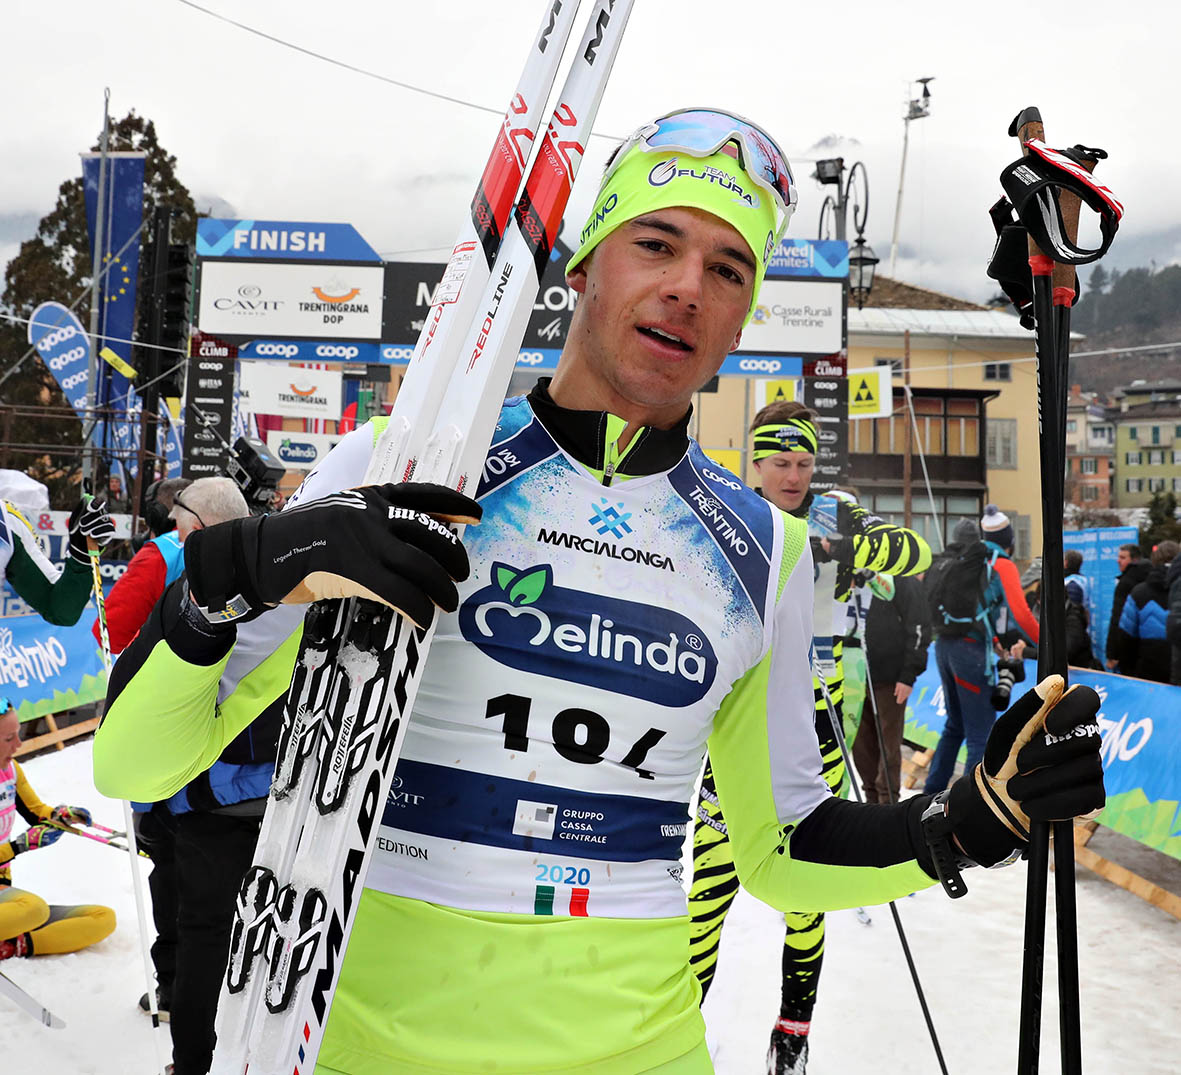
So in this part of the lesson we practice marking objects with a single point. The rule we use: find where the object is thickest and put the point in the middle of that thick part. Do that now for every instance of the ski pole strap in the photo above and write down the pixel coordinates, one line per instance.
(1032, 185)
(1009, 265)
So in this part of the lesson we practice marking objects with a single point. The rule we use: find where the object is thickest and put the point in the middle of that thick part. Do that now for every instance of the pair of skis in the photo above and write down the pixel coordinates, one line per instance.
(359, 664)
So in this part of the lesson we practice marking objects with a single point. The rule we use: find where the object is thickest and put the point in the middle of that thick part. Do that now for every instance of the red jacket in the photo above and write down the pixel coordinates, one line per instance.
(133, 597)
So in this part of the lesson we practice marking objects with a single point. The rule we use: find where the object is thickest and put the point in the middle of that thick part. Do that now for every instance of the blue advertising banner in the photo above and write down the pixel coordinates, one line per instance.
(828, 258)
(743, 365)
(60, 340)
(45, 669)
(1140, 722)
(1099, 547)
(279, 240)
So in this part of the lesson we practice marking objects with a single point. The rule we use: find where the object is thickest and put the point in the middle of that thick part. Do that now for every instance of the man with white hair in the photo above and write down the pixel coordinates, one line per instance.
(207, 502)
(202, 838)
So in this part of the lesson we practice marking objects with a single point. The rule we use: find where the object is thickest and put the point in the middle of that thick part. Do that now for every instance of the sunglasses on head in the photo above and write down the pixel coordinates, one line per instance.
(178, 503)
(703, 132)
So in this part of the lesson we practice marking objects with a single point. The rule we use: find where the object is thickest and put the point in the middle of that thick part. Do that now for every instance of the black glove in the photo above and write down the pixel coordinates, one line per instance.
(89, 520)
(1041, 762)
(383, 542)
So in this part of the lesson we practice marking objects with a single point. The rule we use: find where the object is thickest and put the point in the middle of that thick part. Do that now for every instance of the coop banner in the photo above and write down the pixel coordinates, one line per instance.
(1141, 745)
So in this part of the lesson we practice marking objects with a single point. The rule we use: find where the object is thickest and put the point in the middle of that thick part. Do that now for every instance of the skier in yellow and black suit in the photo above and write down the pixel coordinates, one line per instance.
(847, 539)
(28, 925)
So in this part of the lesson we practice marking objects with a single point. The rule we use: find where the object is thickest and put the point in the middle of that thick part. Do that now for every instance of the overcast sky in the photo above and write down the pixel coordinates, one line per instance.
(262, 131)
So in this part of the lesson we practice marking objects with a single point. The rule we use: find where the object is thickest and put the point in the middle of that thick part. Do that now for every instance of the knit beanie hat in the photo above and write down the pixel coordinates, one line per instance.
(996, 527)
(965, 532)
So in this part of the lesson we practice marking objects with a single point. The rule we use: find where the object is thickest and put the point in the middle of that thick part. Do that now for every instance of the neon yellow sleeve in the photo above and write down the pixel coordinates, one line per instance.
(766, 764)
(166, 725)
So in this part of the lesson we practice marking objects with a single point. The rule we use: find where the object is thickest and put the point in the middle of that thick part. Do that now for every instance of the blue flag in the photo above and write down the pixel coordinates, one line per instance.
(122, 214)
(61, 341)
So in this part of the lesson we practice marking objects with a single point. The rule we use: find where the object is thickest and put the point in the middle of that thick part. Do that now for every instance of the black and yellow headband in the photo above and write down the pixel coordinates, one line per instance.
(790, 435)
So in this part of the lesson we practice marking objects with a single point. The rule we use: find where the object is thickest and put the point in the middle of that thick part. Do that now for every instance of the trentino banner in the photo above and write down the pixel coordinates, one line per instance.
(1141, 733)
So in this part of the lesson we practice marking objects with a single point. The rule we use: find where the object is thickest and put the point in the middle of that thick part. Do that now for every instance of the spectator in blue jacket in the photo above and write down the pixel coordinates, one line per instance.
(1173, 622)
(1142, 647)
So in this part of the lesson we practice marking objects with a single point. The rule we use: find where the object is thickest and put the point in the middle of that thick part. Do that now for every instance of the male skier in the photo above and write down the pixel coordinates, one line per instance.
(784, 443)
(617, 607)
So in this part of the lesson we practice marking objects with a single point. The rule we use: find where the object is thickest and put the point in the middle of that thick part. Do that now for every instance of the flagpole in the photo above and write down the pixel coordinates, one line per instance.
(96, 273)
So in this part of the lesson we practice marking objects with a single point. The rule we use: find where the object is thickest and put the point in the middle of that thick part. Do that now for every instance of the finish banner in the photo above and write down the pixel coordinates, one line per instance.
(1141, 747)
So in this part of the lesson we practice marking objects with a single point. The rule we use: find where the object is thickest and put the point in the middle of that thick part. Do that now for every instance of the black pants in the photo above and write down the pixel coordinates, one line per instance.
(155, 833)
(213, 851)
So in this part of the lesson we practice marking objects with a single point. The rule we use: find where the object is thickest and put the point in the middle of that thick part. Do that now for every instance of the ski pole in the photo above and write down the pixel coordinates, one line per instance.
(838, 731)
(109, 841)
(133, 851)
(1054, 292)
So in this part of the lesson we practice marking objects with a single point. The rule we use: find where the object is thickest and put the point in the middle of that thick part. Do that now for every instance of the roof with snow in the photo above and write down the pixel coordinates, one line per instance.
(977, 323)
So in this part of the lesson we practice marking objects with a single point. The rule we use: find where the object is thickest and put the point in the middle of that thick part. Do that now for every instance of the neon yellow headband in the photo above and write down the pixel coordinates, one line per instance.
(790, 435)
(644, 182)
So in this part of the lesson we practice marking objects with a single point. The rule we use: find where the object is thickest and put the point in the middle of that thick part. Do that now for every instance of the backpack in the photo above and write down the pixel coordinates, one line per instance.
(954, 587)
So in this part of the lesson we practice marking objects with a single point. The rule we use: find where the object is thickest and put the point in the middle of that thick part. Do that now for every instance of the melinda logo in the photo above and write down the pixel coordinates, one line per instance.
(294, 451)
(607, 518)
(524, 621)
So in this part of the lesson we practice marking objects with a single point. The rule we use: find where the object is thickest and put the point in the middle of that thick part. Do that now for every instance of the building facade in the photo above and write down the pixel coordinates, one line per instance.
(1147, 421)
(1090, 447)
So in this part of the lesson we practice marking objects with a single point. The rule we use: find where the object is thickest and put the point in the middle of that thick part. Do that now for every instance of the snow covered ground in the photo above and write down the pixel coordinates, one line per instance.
(867, 1020)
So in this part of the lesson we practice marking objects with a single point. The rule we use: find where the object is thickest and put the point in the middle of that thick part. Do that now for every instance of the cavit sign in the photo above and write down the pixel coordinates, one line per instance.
(339, 302)
(525, 621)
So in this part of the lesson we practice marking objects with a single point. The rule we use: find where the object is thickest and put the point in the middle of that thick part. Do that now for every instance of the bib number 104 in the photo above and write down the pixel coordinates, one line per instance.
(579, 735)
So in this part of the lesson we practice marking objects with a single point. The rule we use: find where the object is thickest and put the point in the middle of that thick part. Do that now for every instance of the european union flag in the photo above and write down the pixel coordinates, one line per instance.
(123, 214)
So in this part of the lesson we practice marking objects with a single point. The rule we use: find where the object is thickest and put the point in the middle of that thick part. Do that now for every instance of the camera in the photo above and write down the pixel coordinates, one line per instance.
(257, 472)
(1009, 670)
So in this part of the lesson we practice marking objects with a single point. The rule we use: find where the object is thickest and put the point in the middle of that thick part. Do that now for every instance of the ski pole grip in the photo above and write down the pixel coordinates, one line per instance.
(1027, 124)
(1070, 205)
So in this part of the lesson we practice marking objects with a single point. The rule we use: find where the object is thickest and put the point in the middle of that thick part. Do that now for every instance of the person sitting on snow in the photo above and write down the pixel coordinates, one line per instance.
(28, 925)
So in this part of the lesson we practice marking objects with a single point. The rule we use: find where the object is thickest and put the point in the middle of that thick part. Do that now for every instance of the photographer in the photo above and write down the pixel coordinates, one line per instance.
(982, 625)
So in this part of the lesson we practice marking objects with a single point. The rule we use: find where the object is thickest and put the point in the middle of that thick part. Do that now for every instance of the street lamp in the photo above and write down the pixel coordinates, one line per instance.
(916, 108)
(833, 218)
(862, 261)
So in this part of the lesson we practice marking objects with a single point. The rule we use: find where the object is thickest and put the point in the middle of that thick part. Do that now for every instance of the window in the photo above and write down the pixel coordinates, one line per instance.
(861, 436)
(895, 365)
(1090, 492)
(1089, 465)
(1134, 485)
(1177, 485)
(1176, 456)
(1156, 434)
(998, 371)
(1023, 542)
(1177, 431)
(1133, 433)
(1071, 426)
(1001, 446)
(1133, 459)
(1156, 485)
(1102, 434)
(1155, 459)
